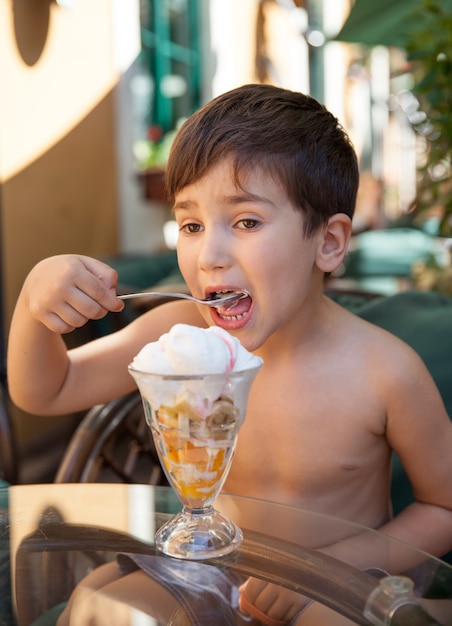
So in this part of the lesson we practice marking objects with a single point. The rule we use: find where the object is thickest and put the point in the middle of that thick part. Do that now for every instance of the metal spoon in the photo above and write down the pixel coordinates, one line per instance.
(217, 301)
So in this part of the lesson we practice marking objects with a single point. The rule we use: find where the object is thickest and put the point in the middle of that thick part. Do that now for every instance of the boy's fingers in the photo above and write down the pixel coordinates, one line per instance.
(101, 286)
(249, 609)
(106, 275)
(271, 604)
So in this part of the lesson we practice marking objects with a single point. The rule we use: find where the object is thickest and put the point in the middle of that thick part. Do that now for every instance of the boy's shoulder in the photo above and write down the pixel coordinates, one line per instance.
(364, 334)
(360, 360)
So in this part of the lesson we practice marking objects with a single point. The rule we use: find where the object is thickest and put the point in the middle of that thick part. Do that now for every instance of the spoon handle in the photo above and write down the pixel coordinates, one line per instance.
(143, 294)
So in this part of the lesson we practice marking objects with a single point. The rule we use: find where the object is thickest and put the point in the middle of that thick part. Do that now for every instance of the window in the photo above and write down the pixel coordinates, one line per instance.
(171, 56)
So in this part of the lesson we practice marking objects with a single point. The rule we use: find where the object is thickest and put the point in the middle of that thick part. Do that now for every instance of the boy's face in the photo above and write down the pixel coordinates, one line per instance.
(252, 239)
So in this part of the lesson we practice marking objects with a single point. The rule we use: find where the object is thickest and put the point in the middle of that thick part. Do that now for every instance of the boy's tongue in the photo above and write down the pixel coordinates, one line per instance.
(243, 306)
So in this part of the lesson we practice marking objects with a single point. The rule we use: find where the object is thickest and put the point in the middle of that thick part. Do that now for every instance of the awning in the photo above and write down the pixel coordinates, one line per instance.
(382, 22)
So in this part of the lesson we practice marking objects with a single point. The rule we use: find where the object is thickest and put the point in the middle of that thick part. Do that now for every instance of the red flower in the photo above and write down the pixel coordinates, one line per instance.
(155, 133)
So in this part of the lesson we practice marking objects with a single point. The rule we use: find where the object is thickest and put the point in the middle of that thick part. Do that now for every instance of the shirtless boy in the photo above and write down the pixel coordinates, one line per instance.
(264, 184)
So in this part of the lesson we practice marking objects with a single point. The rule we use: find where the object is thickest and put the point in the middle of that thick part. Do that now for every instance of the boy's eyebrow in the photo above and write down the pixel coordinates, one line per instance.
(246, 196)
(231, 199)
(182, 205)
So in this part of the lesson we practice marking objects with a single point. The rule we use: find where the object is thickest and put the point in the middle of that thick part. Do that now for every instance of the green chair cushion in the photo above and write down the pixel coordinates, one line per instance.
(3, 494)
(391, 252)
(143, 271)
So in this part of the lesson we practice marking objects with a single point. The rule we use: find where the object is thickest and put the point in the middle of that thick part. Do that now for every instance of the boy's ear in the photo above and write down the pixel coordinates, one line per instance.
(334, 242)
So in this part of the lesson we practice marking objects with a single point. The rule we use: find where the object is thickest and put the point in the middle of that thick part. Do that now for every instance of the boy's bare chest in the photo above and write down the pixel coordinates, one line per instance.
(308, 423)
(304, 438)
(295, 406)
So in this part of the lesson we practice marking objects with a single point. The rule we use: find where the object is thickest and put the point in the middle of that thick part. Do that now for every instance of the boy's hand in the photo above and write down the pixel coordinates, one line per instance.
(64, 292)
(270, 604)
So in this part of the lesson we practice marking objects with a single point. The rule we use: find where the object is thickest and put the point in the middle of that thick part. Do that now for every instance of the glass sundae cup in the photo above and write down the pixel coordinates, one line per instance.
(195, 420)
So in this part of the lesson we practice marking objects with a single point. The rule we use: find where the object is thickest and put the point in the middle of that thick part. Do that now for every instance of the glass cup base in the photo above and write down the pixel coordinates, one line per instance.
(198, 534)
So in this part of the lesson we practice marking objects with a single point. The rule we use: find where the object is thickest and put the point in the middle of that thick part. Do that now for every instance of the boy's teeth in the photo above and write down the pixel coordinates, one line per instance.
(217, 294)
(232, 317)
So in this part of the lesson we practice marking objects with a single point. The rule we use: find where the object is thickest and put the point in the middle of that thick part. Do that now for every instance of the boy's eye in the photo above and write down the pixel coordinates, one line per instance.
(248, 223)
(190, 228)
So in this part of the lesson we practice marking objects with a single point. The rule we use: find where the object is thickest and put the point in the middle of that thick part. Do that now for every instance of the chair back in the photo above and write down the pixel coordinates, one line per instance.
(113, 443)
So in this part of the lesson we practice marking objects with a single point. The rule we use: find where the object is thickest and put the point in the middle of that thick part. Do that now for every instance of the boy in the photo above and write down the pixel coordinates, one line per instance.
(264, 184)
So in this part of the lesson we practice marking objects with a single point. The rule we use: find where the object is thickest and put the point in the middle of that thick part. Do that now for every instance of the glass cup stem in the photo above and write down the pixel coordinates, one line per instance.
(198, 534)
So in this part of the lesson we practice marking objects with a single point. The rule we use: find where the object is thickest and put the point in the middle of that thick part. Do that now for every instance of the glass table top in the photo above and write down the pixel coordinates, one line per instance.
(54, 536)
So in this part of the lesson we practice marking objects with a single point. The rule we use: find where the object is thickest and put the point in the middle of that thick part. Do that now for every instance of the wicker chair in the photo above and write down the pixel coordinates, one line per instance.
(113, 443)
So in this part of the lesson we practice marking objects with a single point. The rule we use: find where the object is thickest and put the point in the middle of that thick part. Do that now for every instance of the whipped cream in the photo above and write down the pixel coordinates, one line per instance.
(188, 350)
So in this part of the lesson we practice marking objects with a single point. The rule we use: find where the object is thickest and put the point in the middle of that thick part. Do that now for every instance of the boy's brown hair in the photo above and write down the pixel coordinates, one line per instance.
(289, 135)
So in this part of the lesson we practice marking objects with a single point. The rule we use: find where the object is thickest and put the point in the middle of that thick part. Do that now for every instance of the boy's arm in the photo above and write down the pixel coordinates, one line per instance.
(59, 294)
(63, 293)
(426, 526)
(420, 431)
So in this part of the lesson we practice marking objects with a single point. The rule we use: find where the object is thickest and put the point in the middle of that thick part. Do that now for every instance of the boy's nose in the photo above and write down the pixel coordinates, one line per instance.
(213, 252)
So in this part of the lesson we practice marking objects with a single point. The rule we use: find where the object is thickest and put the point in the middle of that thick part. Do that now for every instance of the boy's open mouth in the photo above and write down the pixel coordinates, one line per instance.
(237, 310)
(218, 295)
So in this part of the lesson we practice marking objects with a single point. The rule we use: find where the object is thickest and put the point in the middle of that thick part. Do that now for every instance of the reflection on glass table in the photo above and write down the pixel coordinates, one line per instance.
(61, 535)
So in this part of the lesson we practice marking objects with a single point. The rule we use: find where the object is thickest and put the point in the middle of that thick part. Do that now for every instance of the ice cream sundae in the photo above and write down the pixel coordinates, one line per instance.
(194, 383)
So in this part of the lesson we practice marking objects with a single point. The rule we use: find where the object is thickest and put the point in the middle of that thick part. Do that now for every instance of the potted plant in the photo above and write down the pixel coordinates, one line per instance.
(151, 155)
(429, 49)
